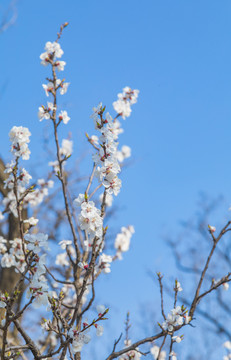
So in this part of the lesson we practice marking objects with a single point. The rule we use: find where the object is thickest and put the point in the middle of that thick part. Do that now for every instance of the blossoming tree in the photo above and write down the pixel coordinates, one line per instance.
(62, 296)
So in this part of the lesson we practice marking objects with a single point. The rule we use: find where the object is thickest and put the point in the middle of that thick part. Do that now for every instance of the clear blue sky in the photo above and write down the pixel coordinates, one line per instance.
(177, 53)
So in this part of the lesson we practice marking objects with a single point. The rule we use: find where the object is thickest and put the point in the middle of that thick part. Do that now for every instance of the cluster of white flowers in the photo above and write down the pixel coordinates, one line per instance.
(108, 199)
(36, 242)
(155, 350)
(44, 111)
(124, 153)
(106, 159)
(36, 197)
(178, 287)
(94, 140)
(104, 263)
(155, 353)
(90, 220)
(173, 355)
(23, 179)
(132, 354)
(125, 99)
(31, 221)
(122, 241)
(63, 117)
(10, 203)
(32, 198)
(66, 148)
(52, 51)
(59, 84)
(176, 317)
(62, 259)
(39, 288)
(3, 247)
(15, 256)
(82, 337)
(65, 151)
(19, 137)
(79, 339)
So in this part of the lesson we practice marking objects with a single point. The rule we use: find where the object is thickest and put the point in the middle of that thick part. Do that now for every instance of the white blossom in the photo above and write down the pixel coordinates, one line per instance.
(178, 286)
(3, 247)
(63, 117)
(52, 51)
(124, 153)
(105, 263)
(44, 112)
(94, 140)
(122, 241)
(132, 354)
(227, 345)
(7, 260)
(48, 88)
(60, 65)
(174, 318)
(19, 137)
(36, 242)
(65, 243)
(31, 221)
(99, 329)
(79, 200)
(66, 148)
(108, 199)
(100, 309)
(125, 99)
(64, 87)
(62, 259)
(155, 352)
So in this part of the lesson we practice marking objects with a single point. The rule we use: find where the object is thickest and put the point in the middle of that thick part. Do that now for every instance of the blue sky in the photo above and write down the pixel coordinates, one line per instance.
(177, 53)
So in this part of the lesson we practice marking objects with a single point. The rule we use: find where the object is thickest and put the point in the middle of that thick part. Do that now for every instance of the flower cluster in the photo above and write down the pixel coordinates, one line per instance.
(125, 99)
(45, 111)
(38, 288)
(132, 354)
(105, 263)
(122, 241)
(19, 137)
(66, 148)
(155, 351)
(177, 316)
(36, 242)
(106, 159)
(15, 257)
(82, 337)
(33, 198)
(90, 220)
(23, 179)
(52, 51)
(124, 153)
(3, 247)
(36, 197)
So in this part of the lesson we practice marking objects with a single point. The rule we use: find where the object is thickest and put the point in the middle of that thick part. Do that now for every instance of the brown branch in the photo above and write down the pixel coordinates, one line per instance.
(161, 294)
(215, 242)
